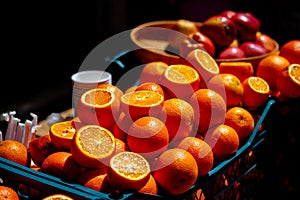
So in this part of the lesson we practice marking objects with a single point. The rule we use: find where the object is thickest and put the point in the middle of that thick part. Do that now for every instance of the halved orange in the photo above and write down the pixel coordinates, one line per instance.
(288, 82)
(61, 134)
(128, 171)
(242, 70)
(180, 81)
(256, 92)
(141, 103)
(229, 87)
(58, 197)
(93, 146)
(99, 106)
(204, 63)
(115, 89)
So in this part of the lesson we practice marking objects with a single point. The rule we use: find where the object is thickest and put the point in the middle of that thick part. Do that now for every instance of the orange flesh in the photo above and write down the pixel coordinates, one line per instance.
(96, 142)
(65, 131)
(181, 74)
(205, 60)
(258, 85)
(98, 97)
(143, 98)
(130, 165)
(294, 72)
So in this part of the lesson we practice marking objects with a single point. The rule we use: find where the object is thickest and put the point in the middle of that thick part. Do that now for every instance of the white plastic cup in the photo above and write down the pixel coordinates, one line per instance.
(86, 80)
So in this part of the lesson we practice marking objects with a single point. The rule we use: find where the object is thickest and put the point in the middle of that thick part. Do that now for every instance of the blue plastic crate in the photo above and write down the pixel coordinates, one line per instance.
(234, 178)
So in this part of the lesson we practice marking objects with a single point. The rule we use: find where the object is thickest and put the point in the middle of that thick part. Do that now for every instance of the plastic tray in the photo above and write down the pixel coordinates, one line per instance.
(234, 178)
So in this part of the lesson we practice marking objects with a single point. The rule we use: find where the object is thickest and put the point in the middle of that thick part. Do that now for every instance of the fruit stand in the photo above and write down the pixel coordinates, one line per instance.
(134, 142)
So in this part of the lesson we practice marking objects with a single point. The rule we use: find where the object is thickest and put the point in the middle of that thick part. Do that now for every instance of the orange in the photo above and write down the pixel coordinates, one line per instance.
(8, 193)
(95, 179)
(58, 197)
(291, 51)
(242, 70)
(61, 134)
(270, 67)
(180, 81)
(99, 107)
(152, 86)
(116, 90)
(131, 88)
(229, 87)
(209, 107)
(14, 151)
(256, 92)
(61, 164)
(223, 140)
(141, 103)
(175, 171)
(288, 82)
(40, 148)
(92, 146)
(241, 120)
(120, 146)
(203, 63)
(178, 116)
(152, 72)
(148, 136)
(201, 151)
(128, 171)
(121, 126)
(150, 187)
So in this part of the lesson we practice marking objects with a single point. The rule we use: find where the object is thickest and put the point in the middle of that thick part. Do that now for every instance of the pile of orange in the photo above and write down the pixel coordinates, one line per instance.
(166, 132)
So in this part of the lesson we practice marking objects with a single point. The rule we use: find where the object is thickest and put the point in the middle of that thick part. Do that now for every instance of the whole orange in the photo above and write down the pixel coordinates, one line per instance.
(115, 89)
(223, 140)
(95, 179)
(152, 86)
(15, 151)
(291, 51)
(40, 148)
(148, 136)
(61, 164)
(201, 151)
(150, 187)
(152, 72)
(209, 107)
(270, 67)
(229, 87)
(178, 116)
(121, 126)
(241, 120)
(175, 171)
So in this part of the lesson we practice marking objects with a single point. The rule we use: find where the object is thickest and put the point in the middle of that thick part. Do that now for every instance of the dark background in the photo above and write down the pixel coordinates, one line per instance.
(44, 42)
